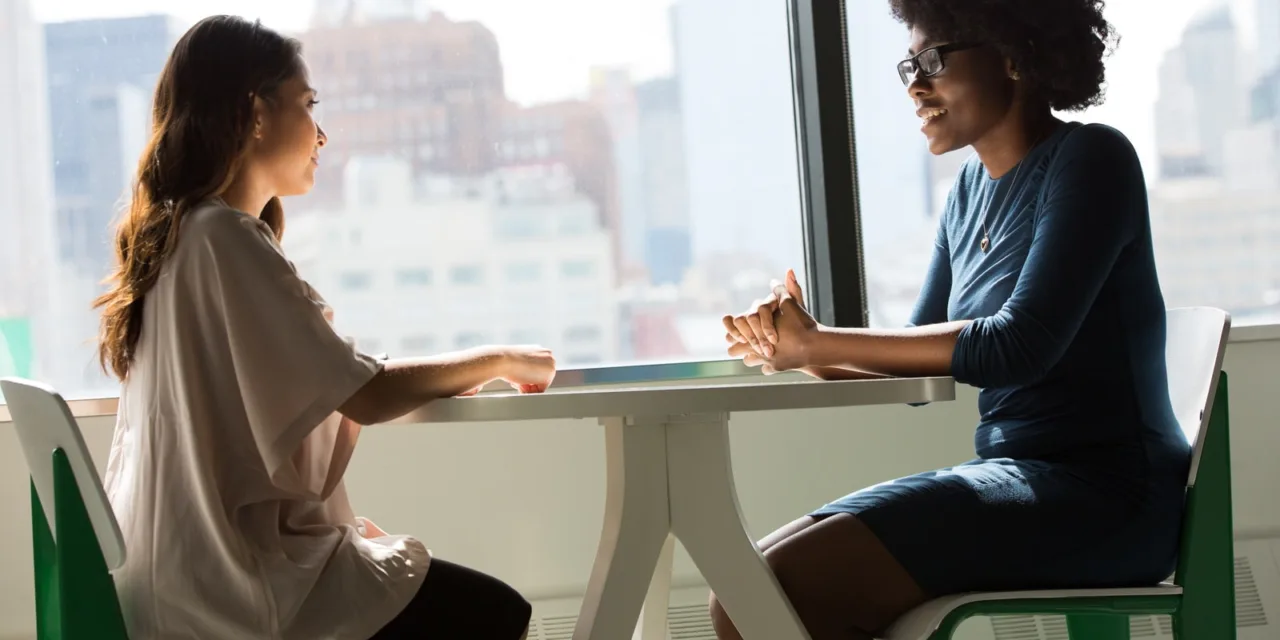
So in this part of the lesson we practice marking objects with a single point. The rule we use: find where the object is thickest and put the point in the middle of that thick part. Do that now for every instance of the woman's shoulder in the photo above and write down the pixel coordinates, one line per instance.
(1096, 144)
(213, 227)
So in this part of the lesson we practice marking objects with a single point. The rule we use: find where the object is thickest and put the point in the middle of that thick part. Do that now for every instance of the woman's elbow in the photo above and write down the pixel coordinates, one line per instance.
(989, 363)
(373, 403)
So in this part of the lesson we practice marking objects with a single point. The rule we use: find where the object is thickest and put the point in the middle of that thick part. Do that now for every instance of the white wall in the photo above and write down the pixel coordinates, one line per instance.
(524, 501)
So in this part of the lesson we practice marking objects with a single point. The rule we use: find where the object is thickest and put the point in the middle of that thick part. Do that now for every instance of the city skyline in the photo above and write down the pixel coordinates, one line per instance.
(545, 62)
(689, 175)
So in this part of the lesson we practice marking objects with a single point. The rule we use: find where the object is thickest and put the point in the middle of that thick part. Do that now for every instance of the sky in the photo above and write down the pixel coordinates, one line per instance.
(548, 57)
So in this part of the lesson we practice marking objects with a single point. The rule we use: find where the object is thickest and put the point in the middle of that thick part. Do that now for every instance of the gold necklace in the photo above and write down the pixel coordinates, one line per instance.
(985, 243)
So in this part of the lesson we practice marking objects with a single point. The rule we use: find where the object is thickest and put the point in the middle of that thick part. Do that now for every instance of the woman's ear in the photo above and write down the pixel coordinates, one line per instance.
(259, 117)
(1011, 70)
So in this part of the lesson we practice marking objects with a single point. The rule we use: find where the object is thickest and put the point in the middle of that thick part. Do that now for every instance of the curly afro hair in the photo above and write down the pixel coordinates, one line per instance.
(1057, 46)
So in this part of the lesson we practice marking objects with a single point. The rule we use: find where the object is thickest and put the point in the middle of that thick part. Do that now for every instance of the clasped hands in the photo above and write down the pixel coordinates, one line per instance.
(776, 333)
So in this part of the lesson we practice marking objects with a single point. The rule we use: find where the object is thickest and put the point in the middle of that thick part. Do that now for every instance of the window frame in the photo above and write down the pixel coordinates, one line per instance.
(827, 144)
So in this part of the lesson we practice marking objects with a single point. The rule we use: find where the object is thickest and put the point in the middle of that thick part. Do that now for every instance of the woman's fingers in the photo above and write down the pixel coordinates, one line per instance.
(732, 328)
(744, 328)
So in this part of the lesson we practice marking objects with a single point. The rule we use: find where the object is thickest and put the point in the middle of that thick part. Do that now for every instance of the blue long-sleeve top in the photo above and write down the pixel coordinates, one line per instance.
(1068, 321)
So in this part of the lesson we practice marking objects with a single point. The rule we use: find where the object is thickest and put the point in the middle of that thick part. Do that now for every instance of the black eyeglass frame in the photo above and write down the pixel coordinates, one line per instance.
(908, 68)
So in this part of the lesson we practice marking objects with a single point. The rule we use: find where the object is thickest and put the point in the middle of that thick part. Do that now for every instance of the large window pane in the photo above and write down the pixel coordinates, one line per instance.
(609, 177)
(1195, 85)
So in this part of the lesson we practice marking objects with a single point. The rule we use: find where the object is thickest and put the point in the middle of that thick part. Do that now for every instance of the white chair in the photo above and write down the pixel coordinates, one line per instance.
(1201, 597)
(75, 537)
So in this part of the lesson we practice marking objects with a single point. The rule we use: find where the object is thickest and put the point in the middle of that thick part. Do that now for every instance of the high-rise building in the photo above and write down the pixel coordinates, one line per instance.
(1268, 36)
(613, 92)
(26, 195)
(1201, 98)
(576, 135)
(428, 91)
(101, 75)
(331, 13)
(733, 59)
(513, 256)
(664, 186)
(1178, 141)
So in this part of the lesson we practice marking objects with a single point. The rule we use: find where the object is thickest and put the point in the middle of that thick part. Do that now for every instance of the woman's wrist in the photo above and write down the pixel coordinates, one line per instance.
(492, 361)
(815, 347)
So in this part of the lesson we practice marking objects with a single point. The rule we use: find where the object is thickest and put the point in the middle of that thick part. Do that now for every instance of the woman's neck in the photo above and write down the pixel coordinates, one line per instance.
(1006, 144)
(247, 193)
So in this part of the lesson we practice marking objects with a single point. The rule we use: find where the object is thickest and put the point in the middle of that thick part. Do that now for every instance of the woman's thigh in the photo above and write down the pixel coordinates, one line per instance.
(457, 602)
(1003, 524)
(839, 578)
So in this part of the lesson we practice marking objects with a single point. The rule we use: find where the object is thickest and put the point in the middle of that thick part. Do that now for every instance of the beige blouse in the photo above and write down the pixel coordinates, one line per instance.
(227, 462)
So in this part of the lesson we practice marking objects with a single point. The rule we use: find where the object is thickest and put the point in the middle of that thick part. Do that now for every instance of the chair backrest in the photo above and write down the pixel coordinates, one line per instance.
(1195, 343)
(44, 424)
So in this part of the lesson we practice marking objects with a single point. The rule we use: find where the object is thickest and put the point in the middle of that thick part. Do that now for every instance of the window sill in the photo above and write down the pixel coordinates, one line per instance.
(668, 374)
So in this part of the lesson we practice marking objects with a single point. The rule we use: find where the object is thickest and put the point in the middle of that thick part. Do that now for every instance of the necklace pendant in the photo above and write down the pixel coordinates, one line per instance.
(985, 244)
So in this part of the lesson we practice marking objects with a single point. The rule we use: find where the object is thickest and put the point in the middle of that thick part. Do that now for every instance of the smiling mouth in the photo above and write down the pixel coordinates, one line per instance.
(929, 115)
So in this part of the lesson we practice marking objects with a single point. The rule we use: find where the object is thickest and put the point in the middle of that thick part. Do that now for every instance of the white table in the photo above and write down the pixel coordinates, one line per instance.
(669, 474)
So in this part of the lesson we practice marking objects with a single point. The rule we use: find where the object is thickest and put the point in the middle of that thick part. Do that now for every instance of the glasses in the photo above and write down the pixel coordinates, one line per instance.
(929, 62)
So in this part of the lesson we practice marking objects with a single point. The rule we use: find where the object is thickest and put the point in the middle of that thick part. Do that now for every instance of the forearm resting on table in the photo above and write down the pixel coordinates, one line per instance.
(404, 384)
(913, 351)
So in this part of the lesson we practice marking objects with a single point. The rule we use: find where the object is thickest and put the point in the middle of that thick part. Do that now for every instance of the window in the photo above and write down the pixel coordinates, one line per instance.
(654, 178)
(413, 278)
(466, 275)
(527, 336)
(355, 280)
(469, 339)
(577, 269)
(523, 272)
(1194, 86)
(417, 345)
(582, 333)
(517, 224)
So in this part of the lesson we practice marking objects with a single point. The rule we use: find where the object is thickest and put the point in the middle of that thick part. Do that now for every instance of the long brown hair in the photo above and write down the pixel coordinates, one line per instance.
(202, 118)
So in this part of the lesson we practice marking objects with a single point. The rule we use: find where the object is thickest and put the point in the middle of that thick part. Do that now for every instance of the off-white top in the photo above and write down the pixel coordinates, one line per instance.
(227, 462)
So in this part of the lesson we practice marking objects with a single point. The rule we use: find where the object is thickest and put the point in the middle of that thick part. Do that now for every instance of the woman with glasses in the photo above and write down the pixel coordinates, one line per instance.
(1043, 293)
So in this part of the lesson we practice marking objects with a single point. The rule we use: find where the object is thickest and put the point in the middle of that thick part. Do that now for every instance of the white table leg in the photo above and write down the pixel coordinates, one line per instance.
(637, 522)
(653, 617)
(706, 518)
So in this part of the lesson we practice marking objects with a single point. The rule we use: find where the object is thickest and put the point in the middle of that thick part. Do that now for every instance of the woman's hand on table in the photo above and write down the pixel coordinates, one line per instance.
(527, 368)
(775, 334)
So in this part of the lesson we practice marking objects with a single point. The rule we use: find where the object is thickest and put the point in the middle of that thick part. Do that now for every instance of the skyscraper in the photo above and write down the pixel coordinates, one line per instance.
(614, 94)
(101, 76)
(733, 59)
(663, 181)
(26, 194)
(1268, 36)
(428, 90)
(1201, 98)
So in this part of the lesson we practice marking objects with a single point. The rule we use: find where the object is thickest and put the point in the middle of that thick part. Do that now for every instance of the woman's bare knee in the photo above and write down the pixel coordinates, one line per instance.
(841, 579)
(785, 531)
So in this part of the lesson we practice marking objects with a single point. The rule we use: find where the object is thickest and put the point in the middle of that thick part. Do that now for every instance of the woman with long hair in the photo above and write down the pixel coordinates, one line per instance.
(1043, 293)
(240, 405)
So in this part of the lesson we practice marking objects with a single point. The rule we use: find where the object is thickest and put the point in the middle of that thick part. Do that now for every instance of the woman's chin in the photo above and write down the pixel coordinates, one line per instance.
(940, 143)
